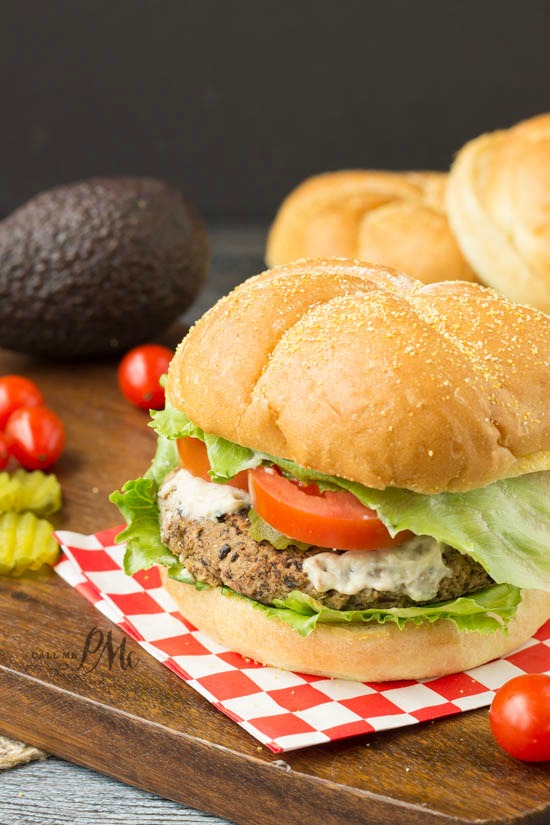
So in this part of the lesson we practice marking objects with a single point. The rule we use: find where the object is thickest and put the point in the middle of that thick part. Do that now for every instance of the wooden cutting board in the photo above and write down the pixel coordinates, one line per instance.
(144, 726)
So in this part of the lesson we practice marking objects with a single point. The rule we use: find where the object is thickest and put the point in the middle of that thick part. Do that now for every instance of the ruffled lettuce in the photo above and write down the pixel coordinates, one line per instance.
(485, 611)
(504, 526)
(226, 458)
(137, 501)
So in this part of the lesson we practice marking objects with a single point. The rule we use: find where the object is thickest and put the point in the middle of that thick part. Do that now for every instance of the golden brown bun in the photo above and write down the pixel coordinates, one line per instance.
(360, 372)
(364, 652)
(392, 218)
(498, 200)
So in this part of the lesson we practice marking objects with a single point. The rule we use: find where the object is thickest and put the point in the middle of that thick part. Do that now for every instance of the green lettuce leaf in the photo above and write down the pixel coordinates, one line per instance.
(485, 611)
(172, 423)
(137, 501)
(504, 526)
(226, 458)
(165, 460)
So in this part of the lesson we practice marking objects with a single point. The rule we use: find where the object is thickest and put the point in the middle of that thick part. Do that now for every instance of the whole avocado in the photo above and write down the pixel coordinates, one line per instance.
(98, 266)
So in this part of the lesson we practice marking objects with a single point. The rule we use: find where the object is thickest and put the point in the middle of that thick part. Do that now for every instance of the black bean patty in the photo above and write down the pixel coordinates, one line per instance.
(221, 552)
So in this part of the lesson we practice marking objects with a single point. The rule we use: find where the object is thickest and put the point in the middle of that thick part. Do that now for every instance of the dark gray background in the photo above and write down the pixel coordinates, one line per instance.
(236, 102)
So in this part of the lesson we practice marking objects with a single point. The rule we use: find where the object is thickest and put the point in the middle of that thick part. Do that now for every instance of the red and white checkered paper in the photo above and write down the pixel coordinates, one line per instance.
(284, 711)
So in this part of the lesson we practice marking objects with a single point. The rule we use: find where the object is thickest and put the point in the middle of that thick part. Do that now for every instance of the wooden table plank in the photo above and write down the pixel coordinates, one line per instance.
(47, 792)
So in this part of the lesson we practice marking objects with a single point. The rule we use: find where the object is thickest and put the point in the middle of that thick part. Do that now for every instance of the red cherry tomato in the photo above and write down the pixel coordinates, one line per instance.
(193, 456)
(35, 437)
(327, 519)
(520, 717)
(139, 373)
(17, 391)
(4, 452)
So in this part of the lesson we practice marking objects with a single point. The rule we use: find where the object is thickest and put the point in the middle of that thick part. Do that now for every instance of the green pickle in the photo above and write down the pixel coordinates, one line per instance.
(26, 539)
(37, 492)
(26, 543)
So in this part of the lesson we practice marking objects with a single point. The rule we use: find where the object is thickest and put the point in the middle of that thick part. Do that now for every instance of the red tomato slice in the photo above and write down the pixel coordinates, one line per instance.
(193, 456)
(327, 519)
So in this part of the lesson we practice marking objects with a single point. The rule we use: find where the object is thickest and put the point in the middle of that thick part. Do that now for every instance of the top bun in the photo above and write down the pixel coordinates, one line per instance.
(392, 218)
(360, 372)
(498, 201)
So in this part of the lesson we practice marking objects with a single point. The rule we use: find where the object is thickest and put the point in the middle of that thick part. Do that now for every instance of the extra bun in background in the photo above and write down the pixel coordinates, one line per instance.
(498, 202)
(393, 218)
(360, 372)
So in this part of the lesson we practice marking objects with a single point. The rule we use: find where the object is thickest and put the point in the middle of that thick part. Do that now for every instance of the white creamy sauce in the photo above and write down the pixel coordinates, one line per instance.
(414, 568)
(187, 496)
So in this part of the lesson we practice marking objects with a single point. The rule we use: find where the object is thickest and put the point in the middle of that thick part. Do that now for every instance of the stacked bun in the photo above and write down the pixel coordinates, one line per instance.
(498, 201)
(396, 219)
(488, 220)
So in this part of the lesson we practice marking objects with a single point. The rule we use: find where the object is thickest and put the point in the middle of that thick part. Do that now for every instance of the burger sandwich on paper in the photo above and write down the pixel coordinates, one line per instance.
(353, 474)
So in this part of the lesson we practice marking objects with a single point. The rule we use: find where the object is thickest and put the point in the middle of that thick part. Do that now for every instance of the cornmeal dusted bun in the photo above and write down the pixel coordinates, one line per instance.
(360, 372)
(364, 652)
(498, 201)
(393, 218)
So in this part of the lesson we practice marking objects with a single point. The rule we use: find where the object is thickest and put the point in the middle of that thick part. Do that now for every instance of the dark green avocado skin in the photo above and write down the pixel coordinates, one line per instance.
(98, 266)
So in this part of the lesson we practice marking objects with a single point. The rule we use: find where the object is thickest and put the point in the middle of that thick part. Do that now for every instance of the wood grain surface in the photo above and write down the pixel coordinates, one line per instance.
(144, 726)
(46, 793)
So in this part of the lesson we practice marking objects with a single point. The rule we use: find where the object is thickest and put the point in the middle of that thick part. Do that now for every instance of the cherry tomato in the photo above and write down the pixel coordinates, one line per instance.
(520, 717)
(193, 456)
(17, 391)
(4, 452)
(139, 373)
(327, 519)
(35, 437)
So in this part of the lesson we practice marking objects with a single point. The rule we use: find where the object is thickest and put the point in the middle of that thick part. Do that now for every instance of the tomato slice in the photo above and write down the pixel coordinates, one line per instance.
(193, 456)
(332, 518)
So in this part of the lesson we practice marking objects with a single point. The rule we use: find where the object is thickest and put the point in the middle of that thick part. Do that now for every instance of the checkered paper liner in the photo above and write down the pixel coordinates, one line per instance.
(283, 710)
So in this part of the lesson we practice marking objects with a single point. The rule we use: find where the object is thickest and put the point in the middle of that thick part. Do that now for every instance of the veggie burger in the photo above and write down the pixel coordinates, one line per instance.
(353, 473)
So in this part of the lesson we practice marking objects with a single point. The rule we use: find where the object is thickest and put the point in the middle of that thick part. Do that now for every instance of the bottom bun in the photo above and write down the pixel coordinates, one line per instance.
(363, 652)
